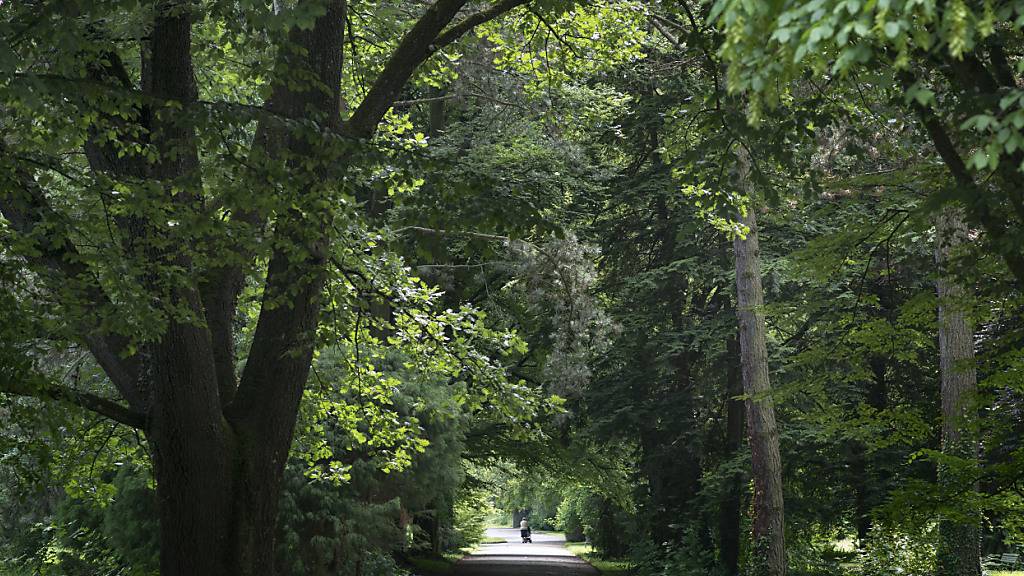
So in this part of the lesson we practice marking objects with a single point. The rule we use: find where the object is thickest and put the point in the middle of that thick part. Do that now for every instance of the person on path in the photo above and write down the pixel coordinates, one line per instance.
(524, 530)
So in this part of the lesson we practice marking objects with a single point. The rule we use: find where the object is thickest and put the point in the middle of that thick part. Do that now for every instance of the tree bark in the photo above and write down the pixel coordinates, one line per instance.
(959, 551)
(219, 468)
(766, 463)
(192, 459)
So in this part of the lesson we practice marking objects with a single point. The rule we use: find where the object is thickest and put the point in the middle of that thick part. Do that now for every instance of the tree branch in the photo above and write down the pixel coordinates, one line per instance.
(418, 44)
(24, 205)
(441, 232)
(460, 28)
(87, 400)
(415, 101)
(280, 355)
(430, 34)
(977, 206)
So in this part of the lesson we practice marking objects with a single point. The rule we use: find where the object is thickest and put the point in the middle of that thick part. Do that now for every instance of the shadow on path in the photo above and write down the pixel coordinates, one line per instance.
(547, 556)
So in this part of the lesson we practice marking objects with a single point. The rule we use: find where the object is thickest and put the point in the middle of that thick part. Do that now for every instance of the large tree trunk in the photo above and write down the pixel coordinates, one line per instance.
(959, 552)
(766, 463)
(730, 508)
(192, 462)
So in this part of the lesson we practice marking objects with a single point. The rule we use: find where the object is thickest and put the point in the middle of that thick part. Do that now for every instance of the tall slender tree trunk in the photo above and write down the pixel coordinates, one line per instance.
(959, 552)
(766, 463)
(730, 509)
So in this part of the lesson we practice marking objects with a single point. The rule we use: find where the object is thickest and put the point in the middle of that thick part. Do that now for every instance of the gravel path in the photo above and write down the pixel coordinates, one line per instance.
(546, 556)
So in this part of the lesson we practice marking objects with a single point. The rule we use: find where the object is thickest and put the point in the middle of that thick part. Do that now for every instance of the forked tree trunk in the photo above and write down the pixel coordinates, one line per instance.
(769, 546)
(219, 458)
(959, 552)
(219, 474)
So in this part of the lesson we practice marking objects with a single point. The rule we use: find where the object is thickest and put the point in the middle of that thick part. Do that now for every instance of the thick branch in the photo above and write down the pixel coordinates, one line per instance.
(316, 54)
(664, 32)
(34, 385)
(420, 43)
(460, 28)
(430, 34)
(108, 74)
(279, 358)
(186, 372)
(88, 401)
(1001, 64)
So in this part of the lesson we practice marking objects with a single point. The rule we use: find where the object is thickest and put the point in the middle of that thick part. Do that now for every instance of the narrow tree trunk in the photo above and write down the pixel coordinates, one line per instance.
(729, 510)
(766, 463)
(435, 535)
(959, 552)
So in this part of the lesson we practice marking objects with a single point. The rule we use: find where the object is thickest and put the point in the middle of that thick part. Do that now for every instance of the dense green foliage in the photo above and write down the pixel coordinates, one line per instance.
(527, 284)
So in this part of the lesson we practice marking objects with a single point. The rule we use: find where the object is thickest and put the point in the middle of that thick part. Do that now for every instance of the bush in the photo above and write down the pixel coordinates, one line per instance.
(685, 558)
(379, 563)
(894, 552)
(611, 529)
(130, 521)
(570, 517)
(471, 513)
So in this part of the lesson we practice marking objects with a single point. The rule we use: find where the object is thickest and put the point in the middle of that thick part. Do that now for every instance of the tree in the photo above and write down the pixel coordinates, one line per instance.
(959, 539)
(251, 236)
(766, 463)
(949, 61)
(182, 235)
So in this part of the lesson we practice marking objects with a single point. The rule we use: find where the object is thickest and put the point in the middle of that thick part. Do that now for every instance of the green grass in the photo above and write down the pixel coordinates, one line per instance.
(1006, 573)
(604, 566)
(492, 540)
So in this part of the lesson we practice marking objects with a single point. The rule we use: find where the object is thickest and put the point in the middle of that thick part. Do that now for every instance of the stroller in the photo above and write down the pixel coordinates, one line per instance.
(527, 536)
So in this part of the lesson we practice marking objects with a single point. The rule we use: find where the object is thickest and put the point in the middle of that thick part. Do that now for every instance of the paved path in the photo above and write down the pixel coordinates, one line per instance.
(547, 556)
